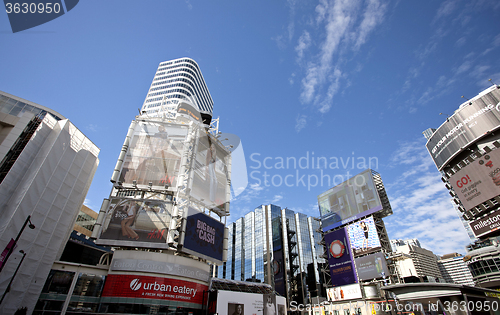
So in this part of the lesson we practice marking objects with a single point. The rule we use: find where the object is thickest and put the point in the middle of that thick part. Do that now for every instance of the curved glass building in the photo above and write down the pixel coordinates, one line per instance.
(178, 80)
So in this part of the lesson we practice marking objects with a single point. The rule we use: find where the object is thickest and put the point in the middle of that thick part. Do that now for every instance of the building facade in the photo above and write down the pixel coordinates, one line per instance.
(178, 80)
(278, 247)
(455, 270)
(420, 263)
(465, 150)
(46, 168)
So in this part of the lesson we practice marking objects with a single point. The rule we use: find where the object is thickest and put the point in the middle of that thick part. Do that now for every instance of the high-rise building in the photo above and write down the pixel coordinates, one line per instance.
(455, 270)
(46, 168)
(175, 81)
(278, 247)
(465, 149)
(420, 263)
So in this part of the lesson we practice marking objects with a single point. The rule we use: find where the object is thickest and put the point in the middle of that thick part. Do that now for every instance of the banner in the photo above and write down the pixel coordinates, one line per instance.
(339, 258)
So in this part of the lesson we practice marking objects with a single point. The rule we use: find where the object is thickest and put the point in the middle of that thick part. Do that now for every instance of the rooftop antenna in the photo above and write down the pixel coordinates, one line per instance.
(492, 82)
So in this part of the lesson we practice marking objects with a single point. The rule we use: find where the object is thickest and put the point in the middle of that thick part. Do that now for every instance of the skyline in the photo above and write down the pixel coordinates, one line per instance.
(339, 79)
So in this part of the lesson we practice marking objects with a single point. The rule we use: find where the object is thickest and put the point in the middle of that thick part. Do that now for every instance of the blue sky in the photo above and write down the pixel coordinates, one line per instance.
(345, 79)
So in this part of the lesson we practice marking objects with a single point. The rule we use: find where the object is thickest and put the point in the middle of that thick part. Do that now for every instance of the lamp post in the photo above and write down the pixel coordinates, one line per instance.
(11, 249)
(12, 279)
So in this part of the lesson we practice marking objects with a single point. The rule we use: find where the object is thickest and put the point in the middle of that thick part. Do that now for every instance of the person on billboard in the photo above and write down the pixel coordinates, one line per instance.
(238, 309)
(364, 227)
(210, 168)
(269, 306)
(132, 211)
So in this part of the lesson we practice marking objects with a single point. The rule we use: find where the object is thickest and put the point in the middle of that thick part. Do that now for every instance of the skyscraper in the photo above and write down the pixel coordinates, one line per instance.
(276, 246)
(178, 80)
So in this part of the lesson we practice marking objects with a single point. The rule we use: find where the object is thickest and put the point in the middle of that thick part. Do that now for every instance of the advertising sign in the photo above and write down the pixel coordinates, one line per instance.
(154, 154)
(140, 287)
(210, 176)
(486, 225)
(355, 198)
(339, 258)
(363, 237)
(279, 271)
(162, 267)
(136, 222)
(242, 303)
(345, 292)
(372, 266)
(204, 236)
(478, 181)
(464, 127)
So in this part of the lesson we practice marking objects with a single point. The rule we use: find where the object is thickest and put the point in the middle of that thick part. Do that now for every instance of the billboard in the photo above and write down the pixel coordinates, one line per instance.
(345, 292)
(355, 198)
(204, 236)
(242, 303)
(478, 181)
(340, 260)
(465, 126)
(140, 287)
(486, 225)
(363, 237)
(154, 154)
(136, 222)
(210, 182)
(371, 266)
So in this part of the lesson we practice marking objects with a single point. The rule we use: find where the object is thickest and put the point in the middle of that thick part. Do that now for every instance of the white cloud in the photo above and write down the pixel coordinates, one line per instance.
(421, 204)
(304, 43)
(300, 123)
(275, 199)
(374, 14)
(445, 9)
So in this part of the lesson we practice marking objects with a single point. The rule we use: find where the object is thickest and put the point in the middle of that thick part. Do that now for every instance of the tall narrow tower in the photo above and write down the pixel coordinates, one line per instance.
(178, 80)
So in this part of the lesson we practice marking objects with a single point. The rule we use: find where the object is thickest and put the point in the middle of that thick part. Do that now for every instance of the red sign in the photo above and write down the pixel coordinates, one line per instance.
(6, 251)
(133, 286)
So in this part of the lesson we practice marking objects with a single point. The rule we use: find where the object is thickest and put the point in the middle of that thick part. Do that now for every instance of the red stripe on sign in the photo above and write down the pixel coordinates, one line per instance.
(132, 286)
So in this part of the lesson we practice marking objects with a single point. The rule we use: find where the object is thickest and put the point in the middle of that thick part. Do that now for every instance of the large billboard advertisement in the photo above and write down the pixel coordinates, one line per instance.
(204, 236)
(363, 237)
(467, 125)
(136, 222)
(478, 181)
(210, 175)
(154, 155)
(355, 198)
(339, 258)
(242, 303)
(140, 287)
(371, 266)
(345, 292)
(486, 225)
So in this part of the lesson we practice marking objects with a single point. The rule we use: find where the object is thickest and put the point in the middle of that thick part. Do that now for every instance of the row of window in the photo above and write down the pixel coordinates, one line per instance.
(187, 87)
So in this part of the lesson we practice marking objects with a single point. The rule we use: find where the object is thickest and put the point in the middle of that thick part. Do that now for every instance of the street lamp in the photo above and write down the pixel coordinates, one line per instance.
(12, 279)
(11, 249)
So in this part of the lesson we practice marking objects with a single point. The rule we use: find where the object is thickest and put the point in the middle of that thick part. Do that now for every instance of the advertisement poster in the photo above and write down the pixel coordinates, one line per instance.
(339, 258)
(210, 175)
(140, 287)
(136, 222)
(486, 225)
(464, 127)
(243, 303)
(372, 266)
(353, 199)
(154, 154)
(345, 292)
(204, 236)
(363, 237)
(478, 181)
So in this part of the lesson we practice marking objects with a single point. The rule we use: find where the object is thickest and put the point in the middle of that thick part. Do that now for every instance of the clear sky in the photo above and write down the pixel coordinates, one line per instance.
(342, 79)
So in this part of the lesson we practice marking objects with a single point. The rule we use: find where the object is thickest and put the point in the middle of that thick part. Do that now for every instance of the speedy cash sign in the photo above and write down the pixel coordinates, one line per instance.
(133, 286)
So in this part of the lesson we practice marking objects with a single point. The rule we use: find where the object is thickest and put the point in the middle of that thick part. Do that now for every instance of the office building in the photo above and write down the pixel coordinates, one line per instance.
(278, 247)
(175, 81)
(455, 270)
(420, 264)
(465, 150)
(46, 168)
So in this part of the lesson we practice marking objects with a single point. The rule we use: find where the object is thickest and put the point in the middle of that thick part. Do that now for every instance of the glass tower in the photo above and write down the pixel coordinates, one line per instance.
(276, 246)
